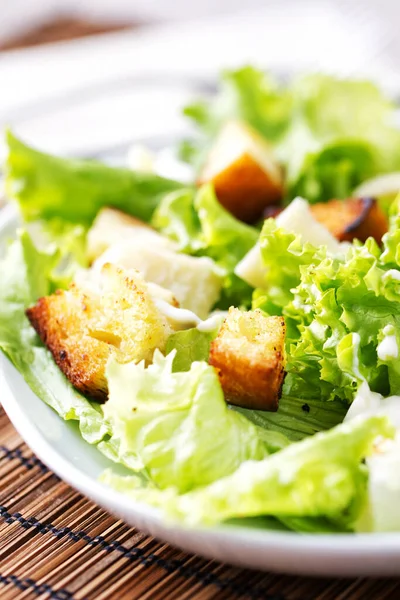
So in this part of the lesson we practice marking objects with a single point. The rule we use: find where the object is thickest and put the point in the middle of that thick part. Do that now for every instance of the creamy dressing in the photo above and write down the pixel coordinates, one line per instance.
(388, 348)
(181, 318)
(212, 322)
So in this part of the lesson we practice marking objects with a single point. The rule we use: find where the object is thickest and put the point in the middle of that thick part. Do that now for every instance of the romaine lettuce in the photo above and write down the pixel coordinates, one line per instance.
(320, 477)
(48, 187)
(178, 424)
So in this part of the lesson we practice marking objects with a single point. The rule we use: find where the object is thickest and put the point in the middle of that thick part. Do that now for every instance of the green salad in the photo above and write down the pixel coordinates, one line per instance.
(230, 343)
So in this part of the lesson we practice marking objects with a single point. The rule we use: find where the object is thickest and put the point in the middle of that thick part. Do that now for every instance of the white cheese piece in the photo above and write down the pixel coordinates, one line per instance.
(193, 281)
(296, 218)
(112, 226)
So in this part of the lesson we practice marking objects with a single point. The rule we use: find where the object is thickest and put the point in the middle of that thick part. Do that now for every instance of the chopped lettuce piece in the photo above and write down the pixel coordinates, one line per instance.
(382, 513)
(322, 477)
(46, 186)
(178, 424)
(298, 418)
(338, 309)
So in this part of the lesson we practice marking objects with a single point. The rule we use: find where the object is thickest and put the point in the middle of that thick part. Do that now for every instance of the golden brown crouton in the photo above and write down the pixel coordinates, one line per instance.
(243, 171)
(249, 355)
(83, 327)
(358, 218)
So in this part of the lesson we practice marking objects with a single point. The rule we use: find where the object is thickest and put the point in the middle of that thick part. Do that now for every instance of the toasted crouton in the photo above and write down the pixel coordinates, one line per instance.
(245, 175)
(83, 328)
(112, 226)
(249, 355)
(359, 218)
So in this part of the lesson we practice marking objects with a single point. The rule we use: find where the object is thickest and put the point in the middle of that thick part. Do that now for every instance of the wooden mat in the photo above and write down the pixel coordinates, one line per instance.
(56, 544)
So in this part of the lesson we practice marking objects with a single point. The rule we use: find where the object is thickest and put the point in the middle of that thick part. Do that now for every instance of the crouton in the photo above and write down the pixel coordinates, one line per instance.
(82, 328)
(245, 175)
(249, 356)
(359, 218)
(112, 226)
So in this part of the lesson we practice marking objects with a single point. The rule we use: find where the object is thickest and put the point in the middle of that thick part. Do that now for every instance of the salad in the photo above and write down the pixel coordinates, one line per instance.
(231, 343)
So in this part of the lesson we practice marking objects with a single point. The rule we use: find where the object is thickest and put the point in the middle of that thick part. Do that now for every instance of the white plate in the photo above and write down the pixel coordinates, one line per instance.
(58, 444)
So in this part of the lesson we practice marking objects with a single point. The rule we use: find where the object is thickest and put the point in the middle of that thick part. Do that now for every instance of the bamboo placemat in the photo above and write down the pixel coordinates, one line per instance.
(56, 544)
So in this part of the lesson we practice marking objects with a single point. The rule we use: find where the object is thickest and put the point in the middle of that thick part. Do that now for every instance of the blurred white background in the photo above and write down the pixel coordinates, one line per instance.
(92, 94)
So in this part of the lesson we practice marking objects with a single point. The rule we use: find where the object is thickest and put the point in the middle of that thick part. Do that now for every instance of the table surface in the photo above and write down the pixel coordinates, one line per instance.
(56, 544)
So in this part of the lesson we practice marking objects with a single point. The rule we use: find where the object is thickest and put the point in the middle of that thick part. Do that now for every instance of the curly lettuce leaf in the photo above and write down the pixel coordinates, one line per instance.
(333, 171)
(178, 424)
(319, 483)
(283, 254)
(27, 274)
(48, 187)
(343, 306)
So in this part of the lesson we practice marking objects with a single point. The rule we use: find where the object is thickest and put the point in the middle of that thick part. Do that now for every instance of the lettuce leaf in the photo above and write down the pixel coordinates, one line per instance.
(190, 345)
(338, 309)
(298, 417)
(322, 477)
(27, 274)
(178, 424)
(48, 187)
